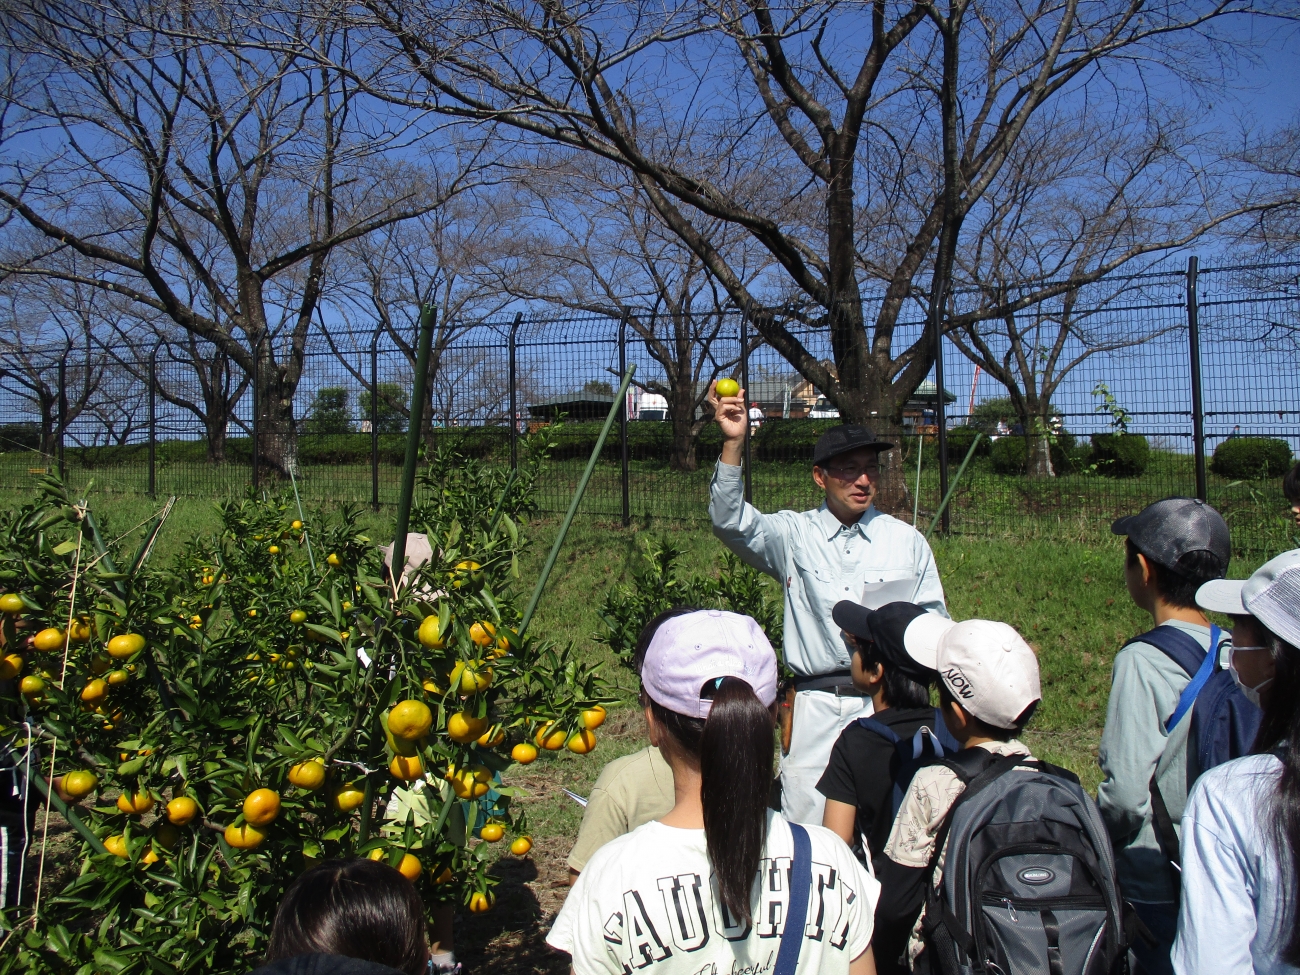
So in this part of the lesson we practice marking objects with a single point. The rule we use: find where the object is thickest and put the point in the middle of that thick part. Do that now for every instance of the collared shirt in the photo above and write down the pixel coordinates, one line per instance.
(819, 561)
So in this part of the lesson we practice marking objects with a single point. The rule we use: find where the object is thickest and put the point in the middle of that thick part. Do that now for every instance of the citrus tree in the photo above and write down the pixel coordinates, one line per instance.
(213, 727)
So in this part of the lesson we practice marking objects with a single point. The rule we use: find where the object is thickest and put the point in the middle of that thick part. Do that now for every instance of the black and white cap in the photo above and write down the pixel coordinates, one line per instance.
(1167, 530)
(1271, 595)
(886, 628)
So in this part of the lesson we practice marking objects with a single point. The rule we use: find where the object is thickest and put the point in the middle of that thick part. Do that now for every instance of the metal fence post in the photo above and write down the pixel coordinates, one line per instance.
(153, 422)
(257, 407)
(744, 382)
(940, 413)
(622, 419)
(514, 392)
(63, 414)
(374, 417)
(1194, 350)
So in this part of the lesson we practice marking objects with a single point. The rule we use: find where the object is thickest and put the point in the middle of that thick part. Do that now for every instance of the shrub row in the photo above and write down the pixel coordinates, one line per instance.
(1248, 458)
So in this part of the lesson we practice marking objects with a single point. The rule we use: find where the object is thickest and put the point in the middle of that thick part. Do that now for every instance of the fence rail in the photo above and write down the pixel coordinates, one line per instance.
(1186, 358)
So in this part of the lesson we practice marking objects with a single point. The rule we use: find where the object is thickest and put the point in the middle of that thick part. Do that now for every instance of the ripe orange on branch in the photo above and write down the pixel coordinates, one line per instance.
(492, 832)
(11, 666)
(308, 775)
(410, 867)
(244, 837)
(481, 903)
(348, 797)
(550, 737)
(80, 783)
(521, 845)
(94, 691)
(430, 633)
(125, 645)
(582, 742)
(136, 804)
(406, 767)
(12, 603)
(593, 717)
(182, 810)
(410, 720)
(464, 728)
(48, 640)
(524, 753)
(262, 806)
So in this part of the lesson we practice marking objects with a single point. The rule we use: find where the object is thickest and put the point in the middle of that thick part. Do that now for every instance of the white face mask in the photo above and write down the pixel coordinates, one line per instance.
(1251, 693)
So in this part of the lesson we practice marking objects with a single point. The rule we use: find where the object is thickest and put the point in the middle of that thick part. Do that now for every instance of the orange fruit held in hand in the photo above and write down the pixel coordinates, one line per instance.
(492, 832)
(261, 806)
(182, 810)
(582, 742)
(727, 387)
(244, 837)
(593, 717)
(524, 753)
(410, 867)
(135, 805)
(521, 845)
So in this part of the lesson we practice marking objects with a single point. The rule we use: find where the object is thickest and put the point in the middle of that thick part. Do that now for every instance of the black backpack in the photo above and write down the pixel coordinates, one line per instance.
(1029, 879)
(1224, 723)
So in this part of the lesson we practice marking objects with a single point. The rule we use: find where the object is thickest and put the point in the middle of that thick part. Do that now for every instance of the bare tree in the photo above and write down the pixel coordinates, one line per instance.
(450, 259)
(596, 244)
(1075, 194)
(768, 131)
(206, 173)
(43, 327)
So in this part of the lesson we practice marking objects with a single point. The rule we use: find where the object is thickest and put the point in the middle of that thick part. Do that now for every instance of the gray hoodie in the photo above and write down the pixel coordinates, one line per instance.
(1145, 687)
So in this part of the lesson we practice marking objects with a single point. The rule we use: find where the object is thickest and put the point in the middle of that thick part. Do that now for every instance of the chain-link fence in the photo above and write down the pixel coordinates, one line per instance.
(1086, 404)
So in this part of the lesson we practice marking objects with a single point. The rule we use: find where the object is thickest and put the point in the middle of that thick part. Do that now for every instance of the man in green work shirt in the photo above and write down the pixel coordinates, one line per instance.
(844, 549)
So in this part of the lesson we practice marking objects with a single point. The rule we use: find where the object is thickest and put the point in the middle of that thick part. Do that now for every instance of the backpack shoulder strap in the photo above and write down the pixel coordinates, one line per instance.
(1163, 825)
(951, 746)
(787, 955)
(1178, 646)
(880, 728)
(977, 773)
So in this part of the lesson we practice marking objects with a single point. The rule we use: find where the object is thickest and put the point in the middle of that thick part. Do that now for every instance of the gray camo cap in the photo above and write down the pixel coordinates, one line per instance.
(1167, 530)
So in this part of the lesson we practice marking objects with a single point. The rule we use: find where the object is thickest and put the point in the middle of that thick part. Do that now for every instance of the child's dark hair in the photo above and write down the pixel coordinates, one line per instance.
(1291, 484)
(946, 700)
(734, 747)
(901, 690)
(355, 908)
(1178, 586)
(650, 629)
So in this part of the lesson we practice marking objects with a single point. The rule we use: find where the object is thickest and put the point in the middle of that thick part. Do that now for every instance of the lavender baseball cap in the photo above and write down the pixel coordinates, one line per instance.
(689, 652)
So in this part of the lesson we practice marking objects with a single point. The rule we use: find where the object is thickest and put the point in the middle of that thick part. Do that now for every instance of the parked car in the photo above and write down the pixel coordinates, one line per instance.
(823, 409)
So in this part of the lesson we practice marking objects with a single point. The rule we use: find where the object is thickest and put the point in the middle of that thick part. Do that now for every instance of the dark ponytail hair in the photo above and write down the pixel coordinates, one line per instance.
(354, 908)
(1280, 733)
(734, 749)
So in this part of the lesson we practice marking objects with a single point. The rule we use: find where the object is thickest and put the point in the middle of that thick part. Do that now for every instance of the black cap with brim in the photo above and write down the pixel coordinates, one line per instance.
(1167, 530)
(885, 628)
(843, 438)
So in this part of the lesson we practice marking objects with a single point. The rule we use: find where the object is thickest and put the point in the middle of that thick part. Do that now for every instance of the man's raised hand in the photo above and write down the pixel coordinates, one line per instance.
(730, 413)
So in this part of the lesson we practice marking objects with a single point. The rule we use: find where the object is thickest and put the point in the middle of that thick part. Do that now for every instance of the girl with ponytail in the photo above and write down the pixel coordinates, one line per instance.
(707, 887)
(1240, 844)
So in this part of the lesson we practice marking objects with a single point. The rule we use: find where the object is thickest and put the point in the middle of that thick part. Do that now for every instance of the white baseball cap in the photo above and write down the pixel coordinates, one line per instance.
(690, 652)
(1271, 595)
(990, 670)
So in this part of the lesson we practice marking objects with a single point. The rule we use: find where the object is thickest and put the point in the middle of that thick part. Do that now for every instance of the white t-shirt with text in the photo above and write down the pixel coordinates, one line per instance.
(647, 902)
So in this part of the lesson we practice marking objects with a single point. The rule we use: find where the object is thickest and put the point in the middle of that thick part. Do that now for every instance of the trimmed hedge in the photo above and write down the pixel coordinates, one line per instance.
(1124, 455)
(1010, 455)
(960, 439)
(1251, 458)
(20, 436)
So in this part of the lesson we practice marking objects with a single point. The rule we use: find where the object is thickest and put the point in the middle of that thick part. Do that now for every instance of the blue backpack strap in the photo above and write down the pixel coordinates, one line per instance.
(880, 728)
(951, 746)
(1203, 674)
(787, 956)
(1178, 646)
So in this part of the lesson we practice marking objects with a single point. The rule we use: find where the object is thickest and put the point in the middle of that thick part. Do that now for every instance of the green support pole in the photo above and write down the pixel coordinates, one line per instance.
(952, 488)
(424, 345)
(577, 499)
